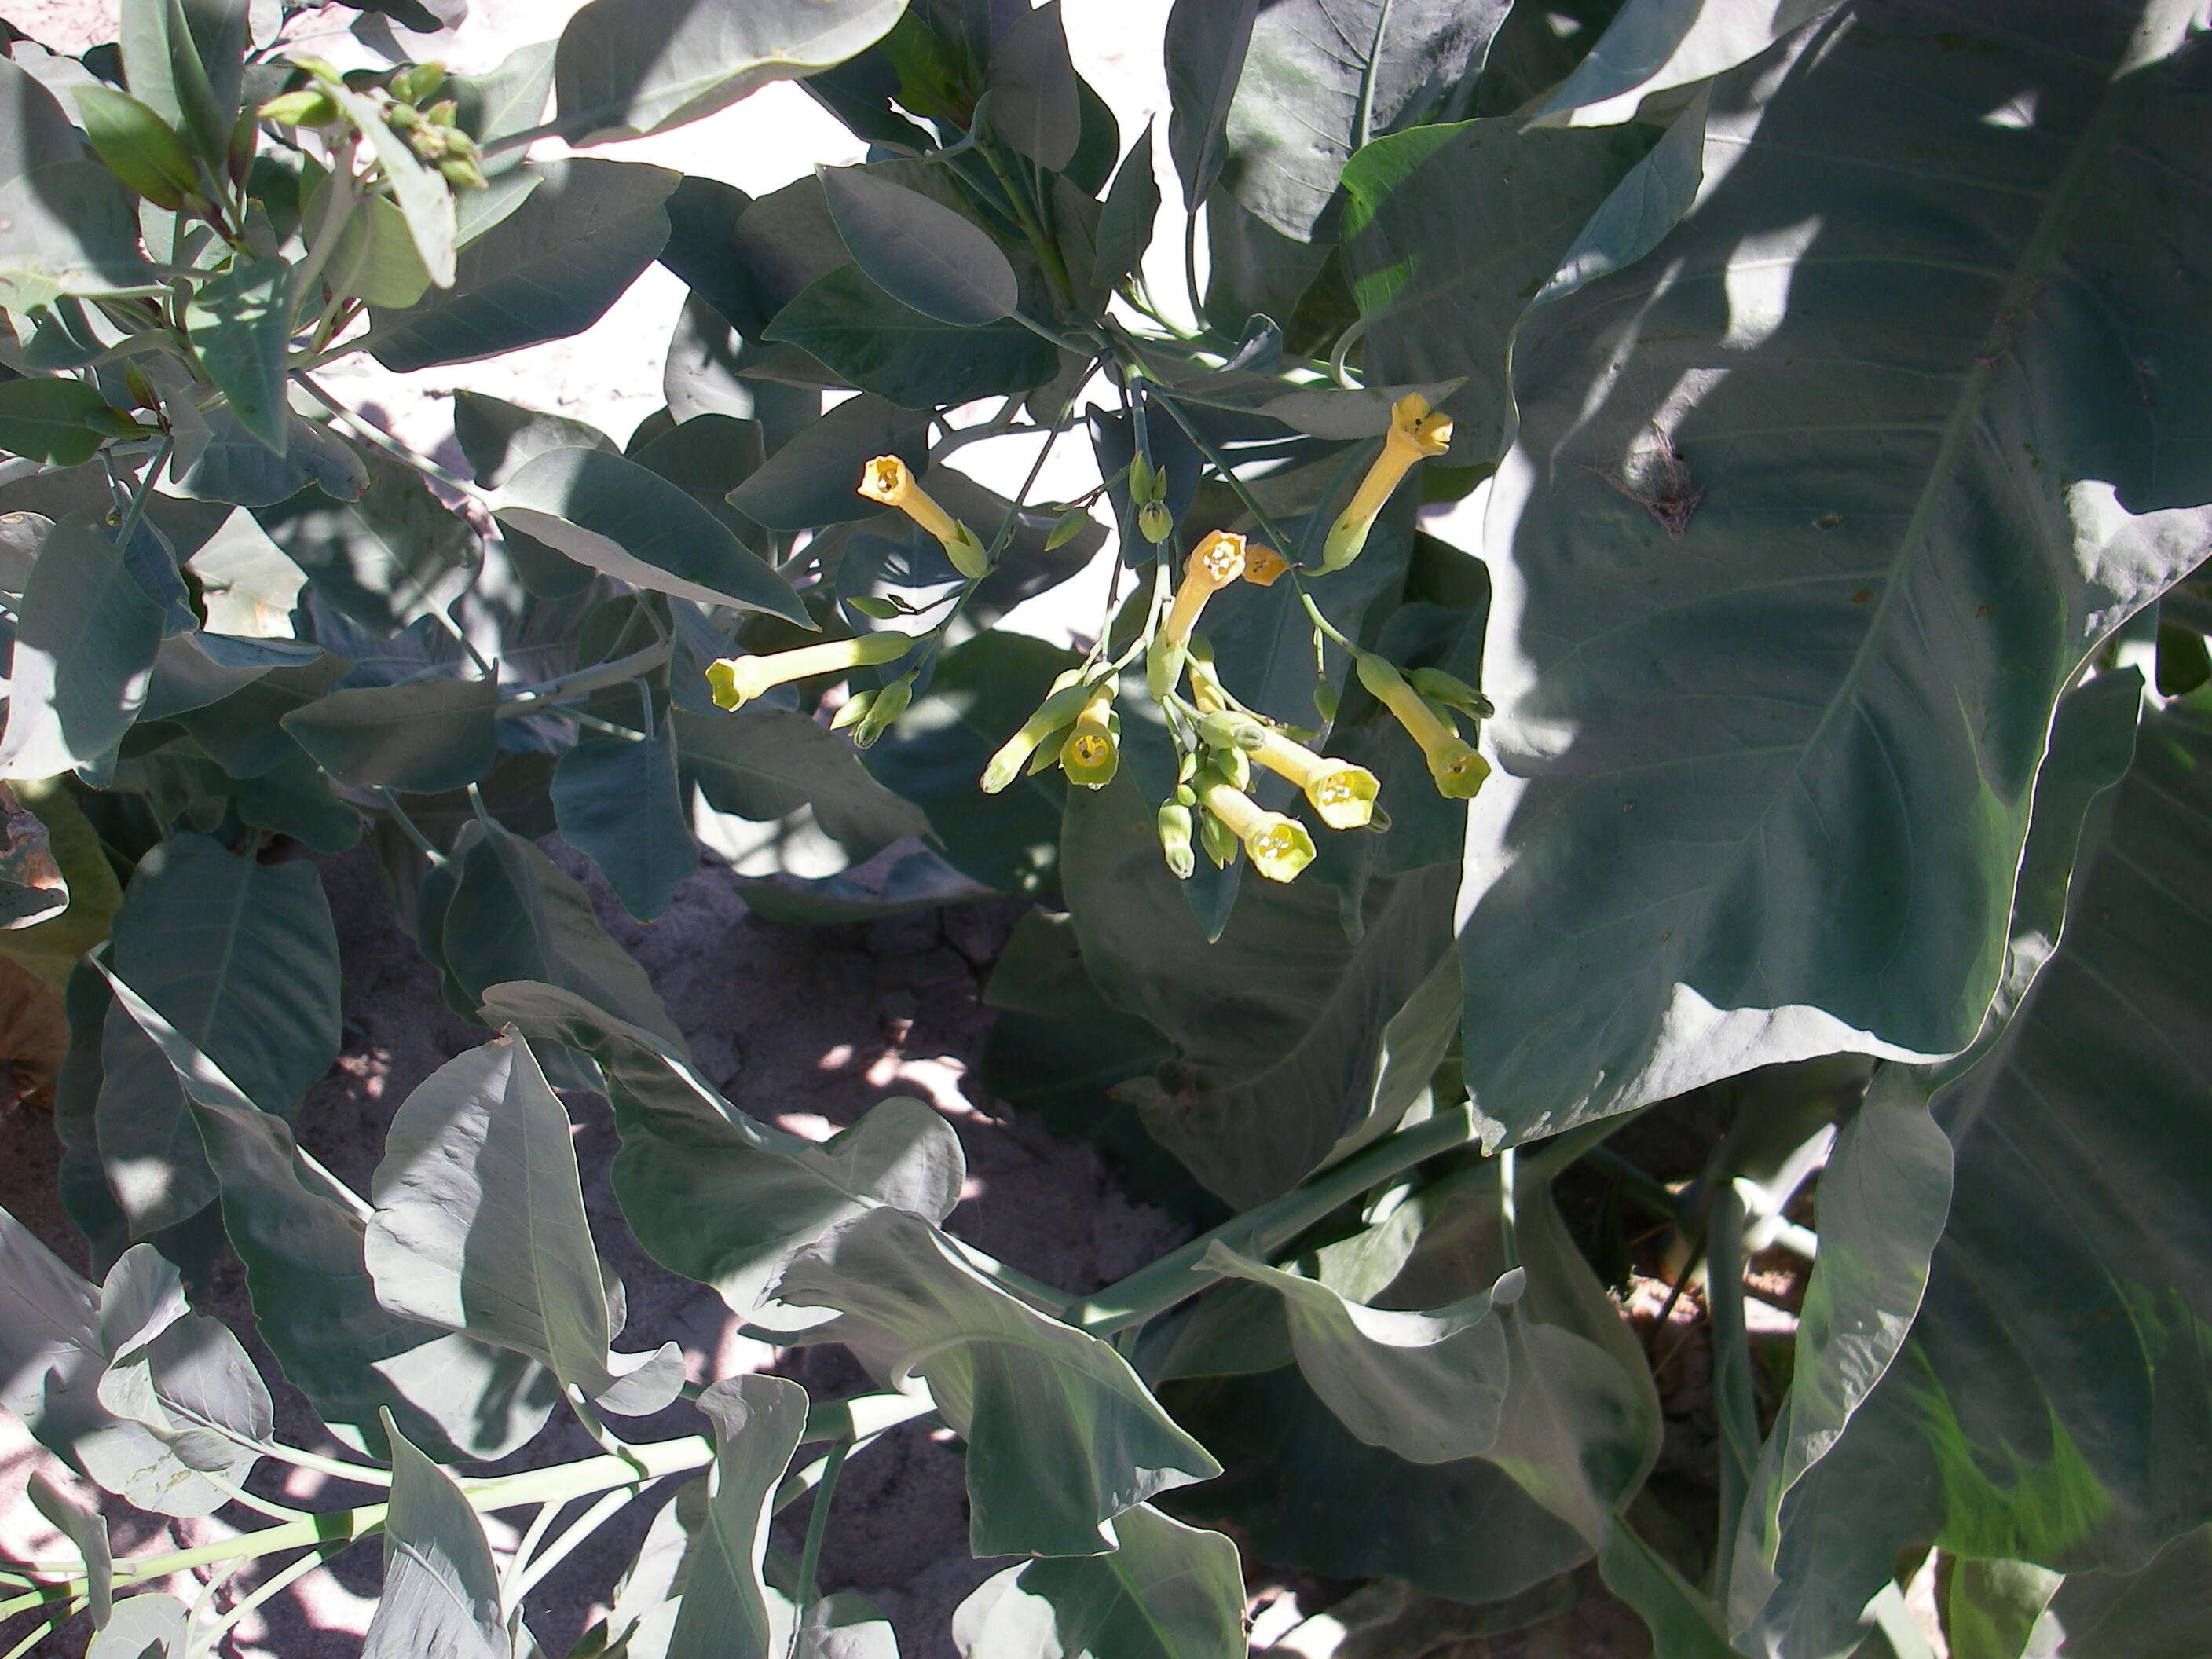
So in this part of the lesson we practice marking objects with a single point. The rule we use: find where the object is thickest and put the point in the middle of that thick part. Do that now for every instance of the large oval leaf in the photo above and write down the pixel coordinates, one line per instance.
(549, 269)
(630, 67)
(919, 251)
(1788, 581)
(86, 635)
(70, 228)
(628, 521)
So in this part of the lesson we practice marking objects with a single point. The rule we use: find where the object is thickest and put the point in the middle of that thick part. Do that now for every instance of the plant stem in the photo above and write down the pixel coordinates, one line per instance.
(1151, 1292)
(1509, 1207)
(276, 1585)
(531, 700)
(1735, 1403)
(39, 1633)
(818, 1527)
(564, 1545)
(374, 434)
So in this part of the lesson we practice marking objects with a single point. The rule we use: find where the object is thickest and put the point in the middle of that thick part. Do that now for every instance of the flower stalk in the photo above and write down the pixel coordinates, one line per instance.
(736, 681)
(888, 479)
(1459, 771)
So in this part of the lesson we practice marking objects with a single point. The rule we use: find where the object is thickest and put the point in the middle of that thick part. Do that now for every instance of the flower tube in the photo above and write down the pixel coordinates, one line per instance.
(888, 479)
(1415, 434)
(1215, 563)
(1342, 794)
(736, 681)
(1280, 846)
(1056, 711)
(1458, 770)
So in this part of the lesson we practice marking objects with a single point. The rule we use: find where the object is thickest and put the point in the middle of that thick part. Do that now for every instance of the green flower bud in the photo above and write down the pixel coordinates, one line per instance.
(886, 706)
(1228, 731)
(1142, 479)
(1175, 822)
(1054, 711)
(855, 710)
(1218, 840)
(1451, 691)
(463, 173)
(307, 108)
(1155, 522)
(416, 82)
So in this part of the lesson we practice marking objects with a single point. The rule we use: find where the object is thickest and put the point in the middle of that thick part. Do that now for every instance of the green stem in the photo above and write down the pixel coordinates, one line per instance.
(40, 1631)
(423, 845)
(533, 700)
(372, 433)
(1151, 1292)
(1735, 1402)
(140, 490)
(276, 1585)
(1509, 1207)
(561, 1547)
(818, 1527)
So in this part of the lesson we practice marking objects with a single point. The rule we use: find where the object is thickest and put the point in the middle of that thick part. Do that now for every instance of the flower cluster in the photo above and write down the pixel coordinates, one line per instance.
(1219, 741)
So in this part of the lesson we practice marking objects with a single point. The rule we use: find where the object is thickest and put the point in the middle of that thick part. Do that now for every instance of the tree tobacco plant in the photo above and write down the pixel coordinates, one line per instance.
(1814, 728)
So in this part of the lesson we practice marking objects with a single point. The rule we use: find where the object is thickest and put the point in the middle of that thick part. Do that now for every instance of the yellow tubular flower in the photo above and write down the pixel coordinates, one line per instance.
(1054, 711)
(1342, 794)
(1093, 748)
(1280, 846)
(1214, 563)
(887, 479)
(1262, 565)
(1415, 434)
(1459, 771)
(736, 681)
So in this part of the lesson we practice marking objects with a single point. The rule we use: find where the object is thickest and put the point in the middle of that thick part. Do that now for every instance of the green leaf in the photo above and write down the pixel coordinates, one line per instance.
(508, 98)
(441, 1586)
(52, 420)
(982, 691)
(919, 251)
(52, 1353)
(1990, 1608)
(763, 762)
(480, 1228)
(1061, 1435)
(2078, 1144)
(621, 519)
(1169, 1592)
(1427, 1385)
(630, 67)
(1322, 78)
(1654, 46)
(2160, 1611)
(1656, 894)
(618, 804)
(85, 639)
(53, 948)
(389, 554)
(224, 462)
(879, 345)
(515, 915)
(425, 200)
(242, 959)
(241, 323)
(375, 258)
(183, 58)
(182, 1376)
(711, 1192)
(726, 1612)
(299, 1234)
(138, 145)
(193, 671)
(71, 225)
(814, 479)
(1125, 228)
(1684, 1623)
(1284, 1028)
(549, 269)
(420, 739)
(87, 1530)
(499, 438)
(1207, 41)
(1439, 293)
(1032, 87)
(147, 1625)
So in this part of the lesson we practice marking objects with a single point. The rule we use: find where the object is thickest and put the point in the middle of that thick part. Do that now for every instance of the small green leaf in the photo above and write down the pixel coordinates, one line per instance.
(240, 323)
(441, 1586)
(726, 1613)
(1062, 1437)
(630, 67)
(919, 251)
(420, 739)
(89, 1532)
(608, 512)
(138, 146)
(882, 610)
(1427, 1385)
(375, 258)
(1033, 105)
(51, 421)
(480, 1228)
(1168, 1591)
(618, 804)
